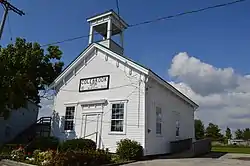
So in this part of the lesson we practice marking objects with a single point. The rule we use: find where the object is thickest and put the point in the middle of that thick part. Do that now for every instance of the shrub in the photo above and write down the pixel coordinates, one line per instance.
(44, 158)
(129, 149)
(36, 155)
(18, 154)
(78, 144)
(91, 157)
(7, 149)
(115, 158)
(43, 143)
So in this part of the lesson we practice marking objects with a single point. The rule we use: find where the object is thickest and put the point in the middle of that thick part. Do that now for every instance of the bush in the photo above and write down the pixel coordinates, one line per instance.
(43, 143)
(78, 144)
(36, 155)
(91, 157)
(18, 154)
(129, 150)
(44, 158)
(7, 149)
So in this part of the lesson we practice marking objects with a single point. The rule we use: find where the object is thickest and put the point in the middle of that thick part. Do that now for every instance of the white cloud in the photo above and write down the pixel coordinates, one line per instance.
(222, 94)
(202, 78)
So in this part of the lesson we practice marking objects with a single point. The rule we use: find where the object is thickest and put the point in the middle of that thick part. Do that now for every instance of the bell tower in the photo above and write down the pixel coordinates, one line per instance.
(108, 25)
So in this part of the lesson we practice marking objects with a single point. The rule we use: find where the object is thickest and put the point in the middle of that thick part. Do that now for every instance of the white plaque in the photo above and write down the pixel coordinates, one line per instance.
(94, 83)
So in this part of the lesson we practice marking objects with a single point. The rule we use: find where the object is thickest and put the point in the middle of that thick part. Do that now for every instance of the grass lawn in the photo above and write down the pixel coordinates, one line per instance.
(231, 149)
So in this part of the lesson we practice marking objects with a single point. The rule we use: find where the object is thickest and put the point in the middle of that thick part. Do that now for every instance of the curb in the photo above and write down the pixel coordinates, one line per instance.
(122, 163)
(14, 163)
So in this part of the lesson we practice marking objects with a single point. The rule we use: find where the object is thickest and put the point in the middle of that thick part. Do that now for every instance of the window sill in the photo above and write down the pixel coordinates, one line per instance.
(116, 133)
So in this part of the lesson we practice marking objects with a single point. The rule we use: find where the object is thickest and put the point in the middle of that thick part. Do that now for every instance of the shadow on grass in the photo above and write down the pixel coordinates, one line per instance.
(242, 158)
(213, 155)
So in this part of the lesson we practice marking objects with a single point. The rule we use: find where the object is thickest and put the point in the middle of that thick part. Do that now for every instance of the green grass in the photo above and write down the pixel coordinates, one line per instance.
(244, 150)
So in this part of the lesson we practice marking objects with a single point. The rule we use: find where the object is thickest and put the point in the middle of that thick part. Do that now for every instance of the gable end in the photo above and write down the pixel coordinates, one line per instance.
(80, 61)
(174, 90)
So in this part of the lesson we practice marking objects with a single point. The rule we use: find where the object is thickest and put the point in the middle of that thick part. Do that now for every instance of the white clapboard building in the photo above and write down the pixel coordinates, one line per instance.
(105, 96)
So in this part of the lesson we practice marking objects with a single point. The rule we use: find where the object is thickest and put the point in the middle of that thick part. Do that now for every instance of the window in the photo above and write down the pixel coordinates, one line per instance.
(177, 133)
(69, 118)
(117, 118)
(158, 120)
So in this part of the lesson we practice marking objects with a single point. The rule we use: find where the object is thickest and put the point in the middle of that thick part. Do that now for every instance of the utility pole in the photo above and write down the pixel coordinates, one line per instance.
(7, 6)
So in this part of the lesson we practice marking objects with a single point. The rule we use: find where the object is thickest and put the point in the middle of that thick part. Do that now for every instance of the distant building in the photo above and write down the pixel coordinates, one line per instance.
(239, 142)
(105, 96)
(18, 121)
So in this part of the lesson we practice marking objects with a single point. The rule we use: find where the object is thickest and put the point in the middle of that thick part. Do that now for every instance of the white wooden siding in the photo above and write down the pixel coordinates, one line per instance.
(18, 121)
(159, 96)
(122, 87)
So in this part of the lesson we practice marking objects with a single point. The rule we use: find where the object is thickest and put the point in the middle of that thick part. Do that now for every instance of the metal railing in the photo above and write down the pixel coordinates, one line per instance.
(95, 133)
(44, 120)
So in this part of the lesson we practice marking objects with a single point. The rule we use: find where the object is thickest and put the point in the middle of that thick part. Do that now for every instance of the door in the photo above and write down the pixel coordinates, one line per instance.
(91, 126)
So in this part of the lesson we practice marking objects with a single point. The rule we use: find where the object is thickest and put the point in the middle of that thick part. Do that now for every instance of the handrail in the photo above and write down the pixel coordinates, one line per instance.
(44, 119)
(90, 134)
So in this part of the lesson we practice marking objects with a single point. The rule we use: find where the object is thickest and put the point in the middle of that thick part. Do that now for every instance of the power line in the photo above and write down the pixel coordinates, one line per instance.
(188, 12)
(117, 6)
(115, 87)
(106, 122)
(8, 7)
(155, 20)
(66, 40)
(12, 7)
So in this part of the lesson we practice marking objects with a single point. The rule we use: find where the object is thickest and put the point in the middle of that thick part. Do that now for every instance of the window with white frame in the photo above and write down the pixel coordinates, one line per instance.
(117, 117)
(69, 118)
(158, 121)
(177, 124)
(177, 133)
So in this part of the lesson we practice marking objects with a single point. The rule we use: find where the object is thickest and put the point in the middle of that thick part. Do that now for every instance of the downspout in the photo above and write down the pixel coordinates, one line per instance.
(53, 114)
(100, 134)
(139, 101)
(81, 125)
(96, 134)
(75, 117)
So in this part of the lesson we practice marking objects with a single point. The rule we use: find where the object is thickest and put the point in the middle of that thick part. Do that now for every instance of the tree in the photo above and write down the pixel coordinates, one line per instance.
(239, 134)
(246, 134)
(213, 132)
(199, 129)
(25, 70)
(228, 133)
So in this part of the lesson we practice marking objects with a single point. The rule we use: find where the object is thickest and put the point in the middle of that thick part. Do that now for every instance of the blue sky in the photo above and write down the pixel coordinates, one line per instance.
(213, 40)
(219, 36)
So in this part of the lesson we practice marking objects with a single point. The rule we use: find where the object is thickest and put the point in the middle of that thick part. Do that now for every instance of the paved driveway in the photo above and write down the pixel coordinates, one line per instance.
(222, 161)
